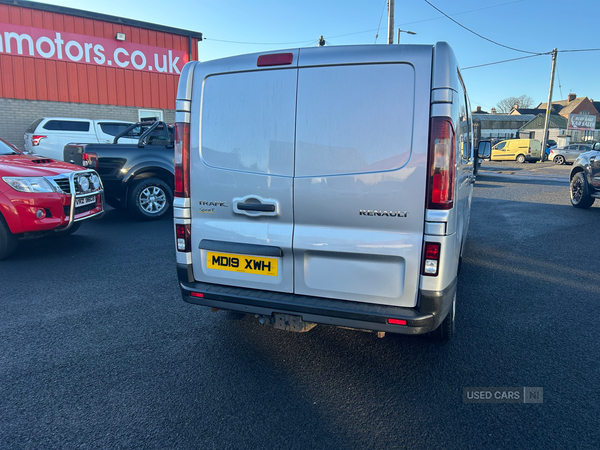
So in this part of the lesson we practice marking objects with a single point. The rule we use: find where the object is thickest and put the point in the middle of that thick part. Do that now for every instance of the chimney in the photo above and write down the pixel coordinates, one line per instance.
(572, 97)
(493, 110)
(478, 110)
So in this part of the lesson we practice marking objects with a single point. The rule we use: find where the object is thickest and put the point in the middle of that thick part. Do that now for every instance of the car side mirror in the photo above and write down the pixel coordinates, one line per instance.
(484, 149)
(596, 146)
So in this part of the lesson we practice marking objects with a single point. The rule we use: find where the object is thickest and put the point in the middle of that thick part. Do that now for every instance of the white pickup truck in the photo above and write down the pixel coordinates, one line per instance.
(49, 135)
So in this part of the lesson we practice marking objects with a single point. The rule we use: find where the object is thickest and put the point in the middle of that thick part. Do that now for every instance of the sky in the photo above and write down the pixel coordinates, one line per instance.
(237, 27)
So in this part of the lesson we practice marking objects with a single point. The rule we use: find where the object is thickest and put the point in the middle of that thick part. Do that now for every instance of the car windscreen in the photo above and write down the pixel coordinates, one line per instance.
(31, 128)
(7, 149)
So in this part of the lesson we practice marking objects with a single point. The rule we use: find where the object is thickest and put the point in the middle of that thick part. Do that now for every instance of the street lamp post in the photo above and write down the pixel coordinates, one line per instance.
(404, 31)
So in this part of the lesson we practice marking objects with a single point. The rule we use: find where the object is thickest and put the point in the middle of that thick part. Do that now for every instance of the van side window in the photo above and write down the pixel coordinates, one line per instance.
(464, 128)
(66, 125)
(500, 146)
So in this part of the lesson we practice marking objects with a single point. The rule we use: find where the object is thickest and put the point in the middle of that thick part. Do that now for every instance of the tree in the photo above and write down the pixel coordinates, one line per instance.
(524, 101)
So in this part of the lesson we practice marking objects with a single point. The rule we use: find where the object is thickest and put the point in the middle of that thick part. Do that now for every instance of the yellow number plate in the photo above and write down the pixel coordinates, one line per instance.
(241, 263)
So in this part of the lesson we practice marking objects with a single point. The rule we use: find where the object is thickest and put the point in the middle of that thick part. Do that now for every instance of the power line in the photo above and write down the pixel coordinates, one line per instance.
(464, 12)
(477, 34)
(379, 26)
(257, 43)
(506, 60)
(364, 31)
(559, 84)
(582, 50)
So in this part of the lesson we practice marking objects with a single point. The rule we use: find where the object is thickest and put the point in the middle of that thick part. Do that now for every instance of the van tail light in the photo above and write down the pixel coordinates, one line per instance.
(431, 259)
(36, 138)
(182, 159)
(183, 237)
(529, 149)
(440, 179)
(275, 59)
(89, 160)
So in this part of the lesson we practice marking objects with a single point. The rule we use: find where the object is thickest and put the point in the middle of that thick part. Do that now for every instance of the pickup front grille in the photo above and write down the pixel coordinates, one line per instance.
(63, 183)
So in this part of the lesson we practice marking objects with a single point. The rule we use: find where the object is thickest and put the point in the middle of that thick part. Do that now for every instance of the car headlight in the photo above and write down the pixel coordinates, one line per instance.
(29, 184)
(95, 179)
(84, 183)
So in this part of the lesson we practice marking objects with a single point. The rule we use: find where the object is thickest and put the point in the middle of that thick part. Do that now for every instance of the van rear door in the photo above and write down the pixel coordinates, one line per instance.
(360, 173)
(242, 159)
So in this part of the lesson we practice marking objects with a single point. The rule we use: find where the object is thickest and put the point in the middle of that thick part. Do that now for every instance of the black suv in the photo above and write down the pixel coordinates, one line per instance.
(585, 178)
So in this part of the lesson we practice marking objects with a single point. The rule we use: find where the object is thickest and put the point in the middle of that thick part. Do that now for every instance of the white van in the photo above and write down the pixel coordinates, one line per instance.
(49, 135)
(327, 185)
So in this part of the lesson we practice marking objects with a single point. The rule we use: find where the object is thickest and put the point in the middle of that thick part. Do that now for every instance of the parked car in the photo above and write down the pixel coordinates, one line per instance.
(49, 135)
(568, 154)
(519, 150)
(585, 178)
(41, 196)
(138, 177)
(314, 211)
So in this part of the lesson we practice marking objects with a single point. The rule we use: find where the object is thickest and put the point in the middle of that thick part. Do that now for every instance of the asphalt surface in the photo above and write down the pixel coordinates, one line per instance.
(98, 351)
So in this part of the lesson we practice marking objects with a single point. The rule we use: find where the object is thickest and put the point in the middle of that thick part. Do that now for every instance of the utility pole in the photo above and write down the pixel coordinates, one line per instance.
(549, 106)
(390, 21)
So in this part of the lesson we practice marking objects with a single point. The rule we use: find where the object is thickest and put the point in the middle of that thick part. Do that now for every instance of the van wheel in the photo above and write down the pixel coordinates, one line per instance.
(559, 159)
(445, 331)
(150, 199)
(8, 241)
(580, 194)
(521, 159)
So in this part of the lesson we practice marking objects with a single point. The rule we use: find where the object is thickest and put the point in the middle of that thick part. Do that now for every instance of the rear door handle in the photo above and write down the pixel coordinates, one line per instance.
(256, 207)
(253, 206)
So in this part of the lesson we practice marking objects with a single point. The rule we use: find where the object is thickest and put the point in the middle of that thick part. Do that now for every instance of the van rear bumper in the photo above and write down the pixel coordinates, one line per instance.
(431, 309)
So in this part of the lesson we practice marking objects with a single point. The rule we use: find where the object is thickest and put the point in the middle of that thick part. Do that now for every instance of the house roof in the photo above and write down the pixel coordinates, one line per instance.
(538, 122)
(531, 111)
(564, 107)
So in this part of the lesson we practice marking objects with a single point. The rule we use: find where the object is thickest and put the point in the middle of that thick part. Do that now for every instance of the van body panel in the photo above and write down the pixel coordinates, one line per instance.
(444, 65)
(242, 152)
(359, 183)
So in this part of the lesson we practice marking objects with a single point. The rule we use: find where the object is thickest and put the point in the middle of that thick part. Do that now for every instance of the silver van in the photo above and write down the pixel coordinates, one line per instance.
(327, 185)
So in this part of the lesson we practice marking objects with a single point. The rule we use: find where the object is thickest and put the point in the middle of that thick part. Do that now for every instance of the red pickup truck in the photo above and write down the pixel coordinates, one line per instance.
(40, 196)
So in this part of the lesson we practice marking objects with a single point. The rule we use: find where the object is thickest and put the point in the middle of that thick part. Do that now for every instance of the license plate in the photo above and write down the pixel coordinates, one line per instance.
(85, 201)
(241, 263)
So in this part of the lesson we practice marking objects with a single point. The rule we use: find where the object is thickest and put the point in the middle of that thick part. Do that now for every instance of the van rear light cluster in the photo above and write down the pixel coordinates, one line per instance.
(89, 160)
(36, 138)
(431, 259)
(183, 237)
(182, 159)
(442, 166)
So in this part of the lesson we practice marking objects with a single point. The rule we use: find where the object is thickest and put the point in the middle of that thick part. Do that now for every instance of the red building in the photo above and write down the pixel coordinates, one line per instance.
(64, 62)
